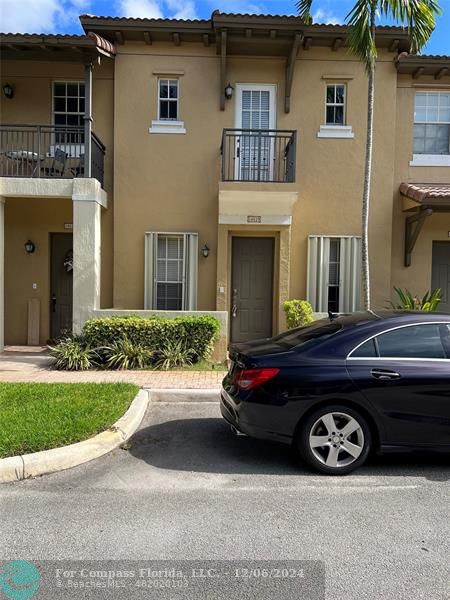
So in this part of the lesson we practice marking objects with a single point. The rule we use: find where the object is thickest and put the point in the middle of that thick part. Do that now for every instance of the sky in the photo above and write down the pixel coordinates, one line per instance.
(61, 16)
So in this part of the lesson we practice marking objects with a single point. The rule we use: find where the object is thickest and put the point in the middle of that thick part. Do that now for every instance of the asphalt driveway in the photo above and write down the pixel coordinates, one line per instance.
(186, 488)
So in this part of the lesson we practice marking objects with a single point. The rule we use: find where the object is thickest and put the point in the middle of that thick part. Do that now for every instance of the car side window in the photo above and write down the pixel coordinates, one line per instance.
(415, 341)
(445, 338)
(366, 350)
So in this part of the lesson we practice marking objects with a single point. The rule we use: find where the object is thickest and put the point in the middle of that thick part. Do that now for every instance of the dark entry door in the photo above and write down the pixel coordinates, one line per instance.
(440, 277)
(252, 288)
(61, 283)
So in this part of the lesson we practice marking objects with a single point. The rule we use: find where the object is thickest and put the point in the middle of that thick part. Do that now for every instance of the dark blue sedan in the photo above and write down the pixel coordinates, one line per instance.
(341, 387)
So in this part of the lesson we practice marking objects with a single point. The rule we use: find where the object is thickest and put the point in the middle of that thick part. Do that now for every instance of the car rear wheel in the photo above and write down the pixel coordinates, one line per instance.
(334, 440)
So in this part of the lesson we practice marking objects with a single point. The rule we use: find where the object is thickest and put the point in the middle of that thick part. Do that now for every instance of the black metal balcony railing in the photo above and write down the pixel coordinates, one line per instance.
(48, 151)
(260, 155)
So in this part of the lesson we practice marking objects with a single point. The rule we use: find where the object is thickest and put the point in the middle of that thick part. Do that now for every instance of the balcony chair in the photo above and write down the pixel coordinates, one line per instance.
(58, 165)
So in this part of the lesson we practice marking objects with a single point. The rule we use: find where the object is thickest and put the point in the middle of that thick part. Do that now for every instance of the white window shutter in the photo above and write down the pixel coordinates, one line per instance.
(317, 277)
(191, 271)
(350, 274)
(150, 260)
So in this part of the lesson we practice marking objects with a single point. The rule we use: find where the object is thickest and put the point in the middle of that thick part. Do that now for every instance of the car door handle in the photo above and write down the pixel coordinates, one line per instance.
(384, 374)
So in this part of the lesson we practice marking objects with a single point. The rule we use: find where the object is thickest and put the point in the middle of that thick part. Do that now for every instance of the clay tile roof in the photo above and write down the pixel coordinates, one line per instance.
(101, 43)
(131, 20)
(426, 193)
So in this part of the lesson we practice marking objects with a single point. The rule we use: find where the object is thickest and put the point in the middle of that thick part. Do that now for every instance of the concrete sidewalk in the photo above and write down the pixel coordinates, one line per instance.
(33, 365)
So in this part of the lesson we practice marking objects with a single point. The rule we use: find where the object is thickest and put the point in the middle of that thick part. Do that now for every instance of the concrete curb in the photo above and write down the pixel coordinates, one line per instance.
(15, 468)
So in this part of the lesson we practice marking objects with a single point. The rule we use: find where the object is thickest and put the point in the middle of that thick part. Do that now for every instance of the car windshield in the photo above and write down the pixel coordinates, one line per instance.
(308, 334)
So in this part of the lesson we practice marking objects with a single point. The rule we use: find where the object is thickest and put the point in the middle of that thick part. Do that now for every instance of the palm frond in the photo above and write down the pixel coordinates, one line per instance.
(304, 10)
(419, 16)
(361, 40)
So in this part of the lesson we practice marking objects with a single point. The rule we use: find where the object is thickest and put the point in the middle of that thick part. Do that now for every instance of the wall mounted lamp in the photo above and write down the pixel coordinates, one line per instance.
(229, 91)
(205, 251)
(30, 247)
(8, 91)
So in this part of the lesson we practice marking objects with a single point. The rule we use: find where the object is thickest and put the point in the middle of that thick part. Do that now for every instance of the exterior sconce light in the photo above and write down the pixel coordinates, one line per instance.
(8, 91)
(205, 251)
(29, 247)
(229, 91)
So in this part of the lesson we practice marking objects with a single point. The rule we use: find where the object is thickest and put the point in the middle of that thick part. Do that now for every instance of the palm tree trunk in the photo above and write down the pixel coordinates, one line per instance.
(367, 176)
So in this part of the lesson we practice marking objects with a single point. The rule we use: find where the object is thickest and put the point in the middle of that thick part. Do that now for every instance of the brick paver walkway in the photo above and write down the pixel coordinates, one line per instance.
(25, 365)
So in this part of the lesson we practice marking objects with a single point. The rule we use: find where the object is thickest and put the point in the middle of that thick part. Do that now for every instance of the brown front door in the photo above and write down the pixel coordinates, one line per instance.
(440, 276)
(61, 283)
(252, 288)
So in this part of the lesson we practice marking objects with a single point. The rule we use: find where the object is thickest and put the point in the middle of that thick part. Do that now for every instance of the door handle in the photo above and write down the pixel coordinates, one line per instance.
(53, 302)
(234, 310)
(384, 374)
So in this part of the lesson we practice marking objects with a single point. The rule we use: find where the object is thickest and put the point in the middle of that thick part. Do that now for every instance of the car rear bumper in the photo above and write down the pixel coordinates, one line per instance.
(241, 416)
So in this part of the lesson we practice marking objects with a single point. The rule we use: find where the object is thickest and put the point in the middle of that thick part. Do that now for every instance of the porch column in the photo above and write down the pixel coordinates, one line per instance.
(88, 199)
(2, 273)
(87, 120)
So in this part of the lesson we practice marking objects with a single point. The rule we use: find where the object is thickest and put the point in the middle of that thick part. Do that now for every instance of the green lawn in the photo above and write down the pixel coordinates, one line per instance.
(40, 416)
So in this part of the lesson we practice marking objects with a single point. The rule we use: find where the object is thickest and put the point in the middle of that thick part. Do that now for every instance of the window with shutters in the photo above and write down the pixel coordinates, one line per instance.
(171, 271)
(334, 273)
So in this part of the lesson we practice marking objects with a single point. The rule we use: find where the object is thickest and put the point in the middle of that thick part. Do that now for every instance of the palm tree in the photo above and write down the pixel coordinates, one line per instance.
(419, 17)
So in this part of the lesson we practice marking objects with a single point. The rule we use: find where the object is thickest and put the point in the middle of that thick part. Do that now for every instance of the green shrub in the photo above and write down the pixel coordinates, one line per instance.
(73, 355)
(198, 334)
(173, 354)
(428, 303)
(298, 312)
(123, 354)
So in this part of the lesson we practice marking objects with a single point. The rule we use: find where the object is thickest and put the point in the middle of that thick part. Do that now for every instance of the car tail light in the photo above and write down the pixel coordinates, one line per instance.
(249, 379)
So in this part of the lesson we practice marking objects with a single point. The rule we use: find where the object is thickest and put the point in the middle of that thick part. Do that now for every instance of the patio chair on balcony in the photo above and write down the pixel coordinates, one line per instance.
(58, 165)
(78, 169)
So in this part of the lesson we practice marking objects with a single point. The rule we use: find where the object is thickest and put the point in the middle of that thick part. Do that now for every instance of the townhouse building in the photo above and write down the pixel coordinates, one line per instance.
(214, 166)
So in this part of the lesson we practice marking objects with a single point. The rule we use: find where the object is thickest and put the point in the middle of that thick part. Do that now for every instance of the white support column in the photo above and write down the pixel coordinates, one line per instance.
(87, 206)
(2, 273)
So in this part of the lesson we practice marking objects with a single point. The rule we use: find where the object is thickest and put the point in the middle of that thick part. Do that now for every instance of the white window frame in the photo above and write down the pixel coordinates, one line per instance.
(74, 150)
(349, 272)
(271, 88)
(166, 125)
(190, 269)
(330, 130)
(429, 160)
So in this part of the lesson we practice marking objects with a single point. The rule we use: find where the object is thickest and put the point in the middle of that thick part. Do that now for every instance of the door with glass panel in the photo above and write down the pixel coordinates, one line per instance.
(255, 114)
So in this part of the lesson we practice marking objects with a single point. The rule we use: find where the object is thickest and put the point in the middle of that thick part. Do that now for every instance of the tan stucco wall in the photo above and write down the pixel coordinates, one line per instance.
(170, 182)
(163, 182)
(32, 104)
(34, 219)
(417, 277)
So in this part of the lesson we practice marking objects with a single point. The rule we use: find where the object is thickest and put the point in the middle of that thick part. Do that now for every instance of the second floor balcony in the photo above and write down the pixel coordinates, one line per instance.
(258, 155)
(49, 151)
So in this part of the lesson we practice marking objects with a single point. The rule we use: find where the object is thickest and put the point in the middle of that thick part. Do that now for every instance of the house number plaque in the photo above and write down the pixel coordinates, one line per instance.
(253, 219)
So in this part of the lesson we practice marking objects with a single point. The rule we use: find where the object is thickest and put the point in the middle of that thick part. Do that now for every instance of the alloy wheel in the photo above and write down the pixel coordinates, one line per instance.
(336, 439)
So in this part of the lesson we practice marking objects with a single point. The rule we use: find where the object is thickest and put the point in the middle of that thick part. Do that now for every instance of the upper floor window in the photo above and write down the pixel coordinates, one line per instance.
(68, 103)
(168, 98)
(432, 123)
(68, 112)
(335, 104)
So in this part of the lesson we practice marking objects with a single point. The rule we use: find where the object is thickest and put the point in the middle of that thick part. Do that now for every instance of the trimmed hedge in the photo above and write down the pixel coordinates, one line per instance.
(198, 334)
